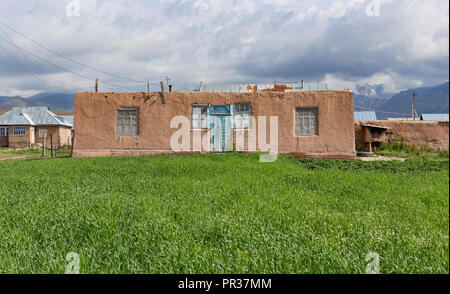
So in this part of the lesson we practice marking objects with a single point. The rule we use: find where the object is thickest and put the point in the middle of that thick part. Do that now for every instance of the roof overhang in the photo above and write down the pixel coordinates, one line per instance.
(375, 127)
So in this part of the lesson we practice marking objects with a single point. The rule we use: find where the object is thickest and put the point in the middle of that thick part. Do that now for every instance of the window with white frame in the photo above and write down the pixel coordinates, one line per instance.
(199, 117)
(4, 132)
(306, 122)
(42, 133)
(19, 131)
(127, 122)
(242, 116)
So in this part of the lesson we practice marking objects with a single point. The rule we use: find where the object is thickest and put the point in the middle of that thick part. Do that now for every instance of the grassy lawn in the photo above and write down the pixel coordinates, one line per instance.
(27, 153)
(224, 214)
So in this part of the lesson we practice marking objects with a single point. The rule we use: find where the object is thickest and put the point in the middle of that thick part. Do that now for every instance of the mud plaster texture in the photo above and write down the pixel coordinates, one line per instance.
(95, 122)
(430, 134)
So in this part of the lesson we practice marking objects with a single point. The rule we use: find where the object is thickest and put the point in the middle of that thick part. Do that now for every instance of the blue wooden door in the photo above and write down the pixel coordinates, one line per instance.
(221, 125)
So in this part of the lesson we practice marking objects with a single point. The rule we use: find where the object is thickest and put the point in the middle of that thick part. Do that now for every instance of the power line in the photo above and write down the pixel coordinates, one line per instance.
(63, 68)
(67, 58)
(32, 63)
(21, 65)
(434, 104)
(377, 110)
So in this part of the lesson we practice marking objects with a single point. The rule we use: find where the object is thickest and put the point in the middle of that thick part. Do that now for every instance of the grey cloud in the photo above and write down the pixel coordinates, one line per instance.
(233, 41)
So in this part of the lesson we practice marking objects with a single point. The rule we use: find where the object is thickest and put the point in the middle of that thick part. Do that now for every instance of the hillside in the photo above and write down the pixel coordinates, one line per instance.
(365, 103)
(428, 100)
(56, 101)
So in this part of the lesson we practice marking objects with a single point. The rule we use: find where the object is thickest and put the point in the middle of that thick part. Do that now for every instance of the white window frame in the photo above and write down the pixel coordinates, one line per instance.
(306, 122)
(199, 117)
(19, 131)
(42, 132)
(4, 131)
(243, 116)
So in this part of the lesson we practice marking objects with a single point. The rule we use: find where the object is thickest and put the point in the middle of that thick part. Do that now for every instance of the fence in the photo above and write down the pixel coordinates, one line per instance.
(244, 88)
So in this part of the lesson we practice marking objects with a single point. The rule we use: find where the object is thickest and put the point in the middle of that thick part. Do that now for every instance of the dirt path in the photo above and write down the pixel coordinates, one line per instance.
(382, 158)
(13, 158)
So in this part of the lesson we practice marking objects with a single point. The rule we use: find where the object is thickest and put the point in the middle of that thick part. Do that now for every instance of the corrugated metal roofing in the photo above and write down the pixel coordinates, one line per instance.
(66, 119)
(365, 115)
(32, 116)
(435, 116)
(243, 88)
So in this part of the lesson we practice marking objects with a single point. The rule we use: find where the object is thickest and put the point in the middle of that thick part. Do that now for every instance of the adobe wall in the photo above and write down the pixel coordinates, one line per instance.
(65, 136)
(60, 135)
(22, 140)
(4, 141)
(431, 134)
(95, 121)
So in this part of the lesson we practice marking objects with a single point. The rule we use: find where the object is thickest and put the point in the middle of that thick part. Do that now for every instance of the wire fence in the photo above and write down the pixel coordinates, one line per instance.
(250, 87)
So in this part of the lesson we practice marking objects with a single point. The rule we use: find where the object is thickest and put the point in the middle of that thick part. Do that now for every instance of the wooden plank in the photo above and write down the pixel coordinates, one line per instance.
(163, 94)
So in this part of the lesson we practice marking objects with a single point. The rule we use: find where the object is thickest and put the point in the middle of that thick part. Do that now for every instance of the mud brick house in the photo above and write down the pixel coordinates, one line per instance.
(315, 124)
(28, 126)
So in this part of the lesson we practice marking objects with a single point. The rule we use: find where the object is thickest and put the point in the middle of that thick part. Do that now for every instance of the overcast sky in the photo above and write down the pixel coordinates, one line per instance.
(348, 43)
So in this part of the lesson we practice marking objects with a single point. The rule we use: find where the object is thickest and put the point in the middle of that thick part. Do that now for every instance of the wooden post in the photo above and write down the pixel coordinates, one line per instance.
(43, 145)
(162, 92)
(71, 150)
(51, 145)
(96, 85)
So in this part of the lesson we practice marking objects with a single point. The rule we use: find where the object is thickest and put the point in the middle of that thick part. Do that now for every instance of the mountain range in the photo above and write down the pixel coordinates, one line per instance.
(55, 101)
(428, 100)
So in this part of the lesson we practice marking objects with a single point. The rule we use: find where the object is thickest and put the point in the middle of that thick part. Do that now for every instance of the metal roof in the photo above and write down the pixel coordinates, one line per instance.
(248, 87)
(375, 127)
(435, 116)
(66, 119)
(365, 115)
(32, 116)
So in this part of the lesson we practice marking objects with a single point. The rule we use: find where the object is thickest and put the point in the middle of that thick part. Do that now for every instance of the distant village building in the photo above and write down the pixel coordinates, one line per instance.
(435, 117)
(316, 124)
(28, 126)
(365, 115)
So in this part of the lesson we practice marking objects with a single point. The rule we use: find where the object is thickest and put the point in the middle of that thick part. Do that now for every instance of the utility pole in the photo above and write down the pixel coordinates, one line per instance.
(413, 108)
(96, 85)
(167, 80)
(148, 88)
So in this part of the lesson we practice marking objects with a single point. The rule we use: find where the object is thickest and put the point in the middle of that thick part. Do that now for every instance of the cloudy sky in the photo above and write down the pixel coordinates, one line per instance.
(381, 46)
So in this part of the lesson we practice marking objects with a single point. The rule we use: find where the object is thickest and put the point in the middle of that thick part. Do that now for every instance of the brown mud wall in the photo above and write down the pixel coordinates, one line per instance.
(22, 140)
(430, 134)
(60, 135)
(95, 121)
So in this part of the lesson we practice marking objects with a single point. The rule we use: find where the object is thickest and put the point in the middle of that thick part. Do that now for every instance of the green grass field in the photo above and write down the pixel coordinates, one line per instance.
(224, 214)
